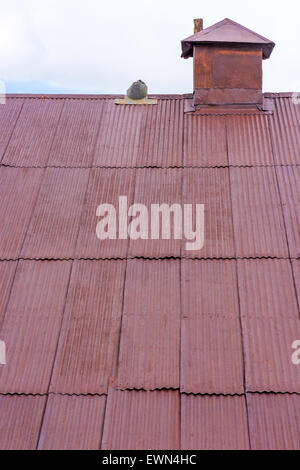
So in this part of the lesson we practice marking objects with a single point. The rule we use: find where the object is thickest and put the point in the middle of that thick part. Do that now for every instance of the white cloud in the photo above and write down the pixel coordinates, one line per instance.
(100, 46)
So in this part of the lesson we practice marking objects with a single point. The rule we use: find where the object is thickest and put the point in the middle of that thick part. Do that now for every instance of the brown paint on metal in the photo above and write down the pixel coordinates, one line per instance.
(227, 75)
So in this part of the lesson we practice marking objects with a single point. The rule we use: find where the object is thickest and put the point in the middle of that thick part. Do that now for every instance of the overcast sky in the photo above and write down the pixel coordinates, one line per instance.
(96, 46)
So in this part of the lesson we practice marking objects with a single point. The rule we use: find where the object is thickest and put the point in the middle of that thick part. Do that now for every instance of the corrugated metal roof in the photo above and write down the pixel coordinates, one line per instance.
(141, 135)
(31, 325)
(296, 272)
(150, 336)
(214, 423)
(8, 117)
(75, 138)
(33, 134)
(288, 181)
(257, 215)
(270, 324)
(210, 186)
(72, 423)
(157, 186)
(285, 131)
(54, 225)
(274, 421)
(211, 340)
(105, 186)
(7, 275)
(17, 205)
(88, 346)
(20, 421)
(142, 420)
(249, 141)
(201, 148)
(216, 327)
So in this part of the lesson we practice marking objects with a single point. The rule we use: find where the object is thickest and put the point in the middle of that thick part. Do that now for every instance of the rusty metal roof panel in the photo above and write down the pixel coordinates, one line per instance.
(32, 324)
(150, 337)
(249, 141)
(7, 274)
(32, 138)
(210, 186)
(211, 339)
(9, 113)
(72, 423)
(105, 186)
(88, 346)
(214, 423)
(257, 215)
(270, 324)
(285, 130)
(289, 184)
(75, 138)
(296, 272)
(20, 421)
(141, 136)
(204, 141)
(54, 225)
(274, 421)
(141, 419)
(157, 186)
(19, 188)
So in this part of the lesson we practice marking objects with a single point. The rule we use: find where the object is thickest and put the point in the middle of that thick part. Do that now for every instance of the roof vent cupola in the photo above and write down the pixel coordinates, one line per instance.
(227, 64)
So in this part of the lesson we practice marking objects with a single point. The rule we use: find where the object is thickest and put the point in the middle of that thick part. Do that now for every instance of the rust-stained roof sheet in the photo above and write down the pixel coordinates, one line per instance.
(150, 336)
(274, 421)
(72, 423)
(54, 226)
(258, 222)
(87, 349)
(31, 325)
(142, 420)
(143, 343)
(157, 186)
(20, 421)
(210, 186)
(104, 186)
(211, 336)
(270, 324)
(33, 134)
(19, 188)
(214, 422)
